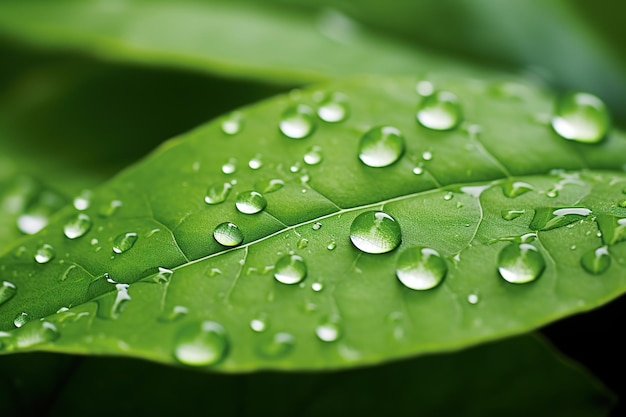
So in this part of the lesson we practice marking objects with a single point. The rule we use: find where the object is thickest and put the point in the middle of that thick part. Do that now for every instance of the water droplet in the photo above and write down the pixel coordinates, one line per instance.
(511, 214)
(230, 167)
(317, 286)
(175, 314)
(250, 202)
(473, 299)
(424, 88)
(110, 209)
(621, 203)
(552, 193)
(448, 196)
(163, 276)
(421, 268)
(316, 226)
(217, 193)
(270, 186)
(297, 122)
(31, 223)
(124, 242)
(36, 333)
(596, 261)
(548, 218)
(295, 168)
(520, 263)
(313, 156)
(78, 226)
(581, 117)
(613, 229)
(375, 232)
(7, 291)
(277, 345)
(381, 146)
(228, 234)
(418, 170)
(331, 245)
(201, 344)
(516, 188)
(333, 108)
(21, 319)
(83, 200)
(427, 156)
(258, 324)
(290, 269)
(439, 111)
(233, 123)
(44, 254)
(303, 243)
(328, 332)
(255, 163)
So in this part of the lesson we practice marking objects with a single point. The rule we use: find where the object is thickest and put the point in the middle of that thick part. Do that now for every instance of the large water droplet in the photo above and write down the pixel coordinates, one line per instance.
(228, 234)
(520, 263)
(297, 122)
(511, 214)
(547, 218)
(313, 156)
(514, 189)
(333, 108)
(328, 331)
(7, 291)
(217, 193)
(439, 111)
(290, 269)
(375, 232)
(233, 123)
(277, 345)
(44, 254)
(421, 268)
(250, 202)
(21, 319)
(381, 146)
(581, 117)
(124, 242)
(596, 261)
(77, 226)
(201, 344)
(270, 186)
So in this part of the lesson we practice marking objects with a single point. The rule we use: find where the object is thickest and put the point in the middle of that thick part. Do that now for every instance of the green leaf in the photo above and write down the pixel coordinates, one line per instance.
(139, 272)
(516, 377)
(232, 39)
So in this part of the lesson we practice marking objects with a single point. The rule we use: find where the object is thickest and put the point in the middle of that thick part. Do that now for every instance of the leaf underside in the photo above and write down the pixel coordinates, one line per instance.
(454, 206)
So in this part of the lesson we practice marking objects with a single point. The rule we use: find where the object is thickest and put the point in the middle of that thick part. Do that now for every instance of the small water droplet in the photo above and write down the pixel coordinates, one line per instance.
(316, 226)
(381, 146)
(473, 299)
(333, 108)
(250, 202)
(427, 156)
(21, 319)
(295, 168)
(270, 186)
(163, 275)
(255, 163)
(331, 245)
(233, 123)
(303, 243)
(439, 111)
(612, 229)
(596, 261)
(297, 122)
(77, 226)
(548, 218)
(581, 117)
(201, 344)
(313, 156)
(520, 263)
(328, 331)
(7, 291)
(110, 209)
(448, 196)
(217, 193)
(277, 345)
(511, 214)
(317, 286)
(421, 268)
(175, 314)
(516, 188)
(124, 242)
(214, 272)
(553, 193)
(228, 234)
(375, 232)
(230, 167)
(45, 253)
(424, 88)
(83, 200)
(290, 269)
(258, 324)
(418, 170)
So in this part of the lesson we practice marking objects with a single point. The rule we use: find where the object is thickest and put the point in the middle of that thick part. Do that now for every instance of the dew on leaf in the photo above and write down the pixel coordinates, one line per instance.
(230, 167)
(317, 286)
(255, 163)
(217, 193)
(78, 226)
(581, 117)
(331, 245)
(250, 202)
(313, 156)
(418, 170)
(596, 261)
(420, 268)
(316, 226)
(124, 242)
(45, 253)
(328, 331)
(621, 203)
(21, 319)
(473, 299)
(201, 344)
(333, 108)
(381, 146)
(176, 313)
(232, 123)
(270, 186)
(163, 275)
(424, 88)
(7, 291)
(258, 324)
(107, 210)
(31, 223)
(297, 122)
(511, 214)
(228, 234)
(277, 345)
(303, 243)
(83, 200)
(612, 229)
(290, 269)
(439, 111)
(427, 156)
(548, 218)
(514, 189)
(520, 263)
(375, 232)
(35, 333)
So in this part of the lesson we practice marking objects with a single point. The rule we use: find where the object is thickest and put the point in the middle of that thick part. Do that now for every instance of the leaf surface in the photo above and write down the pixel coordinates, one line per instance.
(147, 278)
